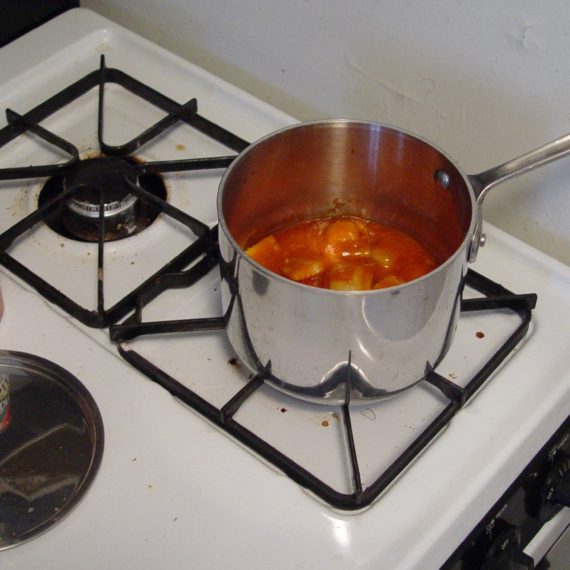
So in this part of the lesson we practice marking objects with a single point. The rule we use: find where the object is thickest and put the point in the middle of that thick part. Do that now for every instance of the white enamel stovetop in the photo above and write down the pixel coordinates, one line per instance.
(172, 492)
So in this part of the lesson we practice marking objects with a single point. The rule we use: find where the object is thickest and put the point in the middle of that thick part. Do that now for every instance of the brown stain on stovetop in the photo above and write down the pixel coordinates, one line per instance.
(326, 422)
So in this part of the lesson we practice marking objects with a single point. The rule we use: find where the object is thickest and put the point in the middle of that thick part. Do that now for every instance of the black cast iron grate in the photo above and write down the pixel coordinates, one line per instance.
(495, 297)
(203, 238)
(203, 253)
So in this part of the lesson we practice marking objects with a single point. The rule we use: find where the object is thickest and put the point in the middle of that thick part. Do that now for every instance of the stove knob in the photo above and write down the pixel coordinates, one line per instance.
(555, 492)
(505, 552)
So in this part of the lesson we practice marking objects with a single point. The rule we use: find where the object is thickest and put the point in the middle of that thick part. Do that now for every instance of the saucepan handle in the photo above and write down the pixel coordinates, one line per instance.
(485, 181)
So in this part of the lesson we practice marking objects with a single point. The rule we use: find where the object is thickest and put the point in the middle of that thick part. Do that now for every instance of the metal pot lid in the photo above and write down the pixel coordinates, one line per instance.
(51, 444)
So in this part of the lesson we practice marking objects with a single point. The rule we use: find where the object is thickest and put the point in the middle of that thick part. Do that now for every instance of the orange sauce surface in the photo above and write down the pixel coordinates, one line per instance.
(344, 253)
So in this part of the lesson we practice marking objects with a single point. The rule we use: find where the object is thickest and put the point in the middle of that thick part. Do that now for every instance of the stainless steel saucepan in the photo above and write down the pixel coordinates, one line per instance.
(313, 343)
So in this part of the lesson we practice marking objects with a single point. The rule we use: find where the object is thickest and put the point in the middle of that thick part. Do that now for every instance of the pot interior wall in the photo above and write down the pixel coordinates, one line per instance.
(342, 167)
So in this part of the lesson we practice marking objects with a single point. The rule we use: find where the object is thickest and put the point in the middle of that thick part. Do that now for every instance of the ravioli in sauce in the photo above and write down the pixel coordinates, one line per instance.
(343, 253)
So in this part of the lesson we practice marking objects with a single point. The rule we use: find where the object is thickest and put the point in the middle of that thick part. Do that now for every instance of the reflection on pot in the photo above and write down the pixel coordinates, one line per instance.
(4, 401)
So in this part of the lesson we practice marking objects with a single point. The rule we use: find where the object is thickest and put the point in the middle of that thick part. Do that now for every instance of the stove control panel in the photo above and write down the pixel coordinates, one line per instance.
(535, 497)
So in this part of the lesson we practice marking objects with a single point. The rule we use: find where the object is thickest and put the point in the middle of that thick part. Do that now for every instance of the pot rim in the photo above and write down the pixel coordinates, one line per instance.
(319, 290)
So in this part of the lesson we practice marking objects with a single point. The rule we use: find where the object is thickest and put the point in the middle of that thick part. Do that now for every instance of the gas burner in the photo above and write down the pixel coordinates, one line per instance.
(111, 196)
(102, 194)
(102, 179)
(429, 405)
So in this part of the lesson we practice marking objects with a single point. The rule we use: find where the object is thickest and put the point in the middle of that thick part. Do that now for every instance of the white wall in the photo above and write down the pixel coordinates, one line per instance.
(484, 80)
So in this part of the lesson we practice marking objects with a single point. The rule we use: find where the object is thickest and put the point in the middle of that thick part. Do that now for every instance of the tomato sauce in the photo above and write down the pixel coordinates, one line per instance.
(344, 253)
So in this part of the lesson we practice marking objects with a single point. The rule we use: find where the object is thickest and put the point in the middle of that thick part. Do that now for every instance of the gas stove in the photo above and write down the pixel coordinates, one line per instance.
(198, 478)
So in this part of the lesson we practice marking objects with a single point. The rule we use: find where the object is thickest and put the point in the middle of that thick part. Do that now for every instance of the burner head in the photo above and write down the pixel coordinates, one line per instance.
(101, 183)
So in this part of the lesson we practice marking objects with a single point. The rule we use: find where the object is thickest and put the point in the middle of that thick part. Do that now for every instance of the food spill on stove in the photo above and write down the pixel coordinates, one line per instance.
(283, 410)
(180, 146)
(343, 253)
(452, 375)
(480, 334)
(326, 422)
(234, 362)
(133, 459)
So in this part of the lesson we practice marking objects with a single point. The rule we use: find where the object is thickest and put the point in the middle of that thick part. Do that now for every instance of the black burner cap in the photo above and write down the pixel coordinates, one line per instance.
(103, 182)
(102, 179)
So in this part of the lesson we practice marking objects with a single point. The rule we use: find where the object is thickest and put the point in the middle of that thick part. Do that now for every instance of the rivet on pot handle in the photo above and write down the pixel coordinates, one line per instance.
(485, 181)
